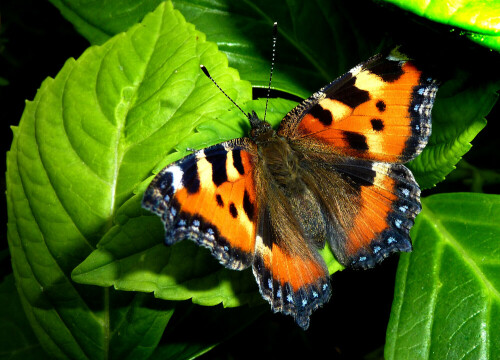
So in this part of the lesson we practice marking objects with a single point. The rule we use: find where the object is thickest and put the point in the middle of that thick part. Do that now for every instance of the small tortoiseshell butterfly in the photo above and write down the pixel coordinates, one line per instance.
(332, 172)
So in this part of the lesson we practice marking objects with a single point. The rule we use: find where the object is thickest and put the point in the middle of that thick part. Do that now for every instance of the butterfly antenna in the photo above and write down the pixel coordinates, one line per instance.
(275, 37)
(205, 71)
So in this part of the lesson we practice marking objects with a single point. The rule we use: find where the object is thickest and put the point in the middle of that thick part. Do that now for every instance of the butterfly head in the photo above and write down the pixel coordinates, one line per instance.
(261, 130)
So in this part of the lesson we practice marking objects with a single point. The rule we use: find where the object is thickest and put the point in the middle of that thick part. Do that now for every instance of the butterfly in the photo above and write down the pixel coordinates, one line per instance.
(331, 173)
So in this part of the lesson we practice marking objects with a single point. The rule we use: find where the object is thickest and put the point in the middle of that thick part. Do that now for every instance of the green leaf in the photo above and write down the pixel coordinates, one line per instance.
(138, 322)
(304, 64)
(308, 56)
(457, 118)
(492, 42)
(479, 17)
(447, 297)
(98, 21)
(89, 137)
(17, 340)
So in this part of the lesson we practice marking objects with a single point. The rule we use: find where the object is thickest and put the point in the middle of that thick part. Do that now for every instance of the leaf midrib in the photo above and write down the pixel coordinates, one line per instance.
(119, 151)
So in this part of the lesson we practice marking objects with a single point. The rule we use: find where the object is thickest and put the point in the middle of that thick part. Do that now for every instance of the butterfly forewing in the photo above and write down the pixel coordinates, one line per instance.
(380, 110)
(209, 197)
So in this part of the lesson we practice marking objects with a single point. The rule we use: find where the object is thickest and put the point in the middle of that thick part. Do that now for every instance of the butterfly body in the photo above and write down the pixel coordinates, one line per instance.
(331, 173)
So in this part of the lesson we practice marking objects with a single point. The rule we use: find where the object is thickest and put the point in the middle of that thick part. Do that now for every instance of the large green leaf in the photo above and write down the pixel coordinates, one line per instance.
(69, 320)
(76, 159)
(480, 18)
(447, 298)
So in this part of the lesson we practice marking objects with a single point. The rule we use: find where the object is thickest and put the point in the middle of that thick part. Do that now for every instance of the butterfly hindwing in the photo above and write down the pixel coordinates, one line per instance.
(291, 274)
(209, 197)
(386, 205)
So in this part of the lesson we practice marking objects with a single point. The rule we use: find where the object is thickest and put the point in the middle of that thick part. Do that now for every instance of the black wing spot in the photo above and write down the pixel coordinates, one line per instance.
(190, 176)
(389, 71)
(248, 206)
(233, 211)
(219, 200)
(356, 141)
(324, 116)
(377, 124)
(350, 95)
(217, 156)
(380, 106)
(237, 163)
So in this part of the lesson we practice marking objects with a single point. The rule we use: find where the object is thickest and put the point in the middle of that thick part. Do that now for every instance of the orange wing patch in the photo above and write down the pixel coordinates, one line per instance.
(376, 204)
(294, 270)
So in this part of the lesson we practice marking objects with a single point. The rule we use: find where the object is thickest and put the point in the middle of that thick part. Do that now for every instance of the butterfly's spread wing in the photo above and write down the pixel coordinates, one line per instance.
(353, 135)
(371, 207)
(291, 274)
(209, 197)
(380, 110)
